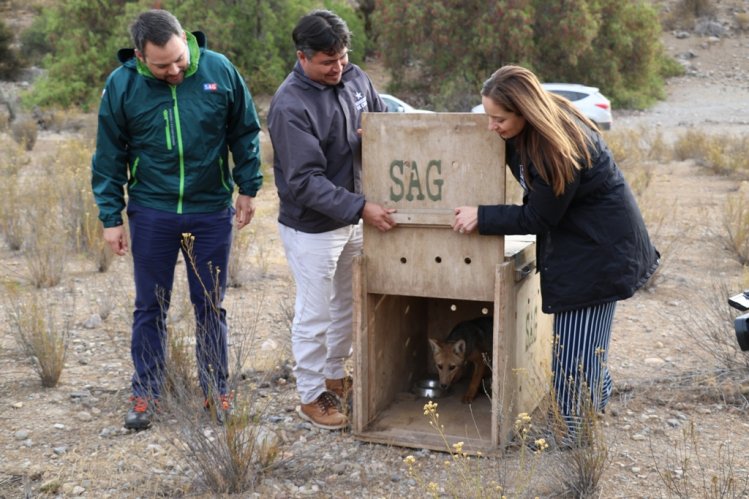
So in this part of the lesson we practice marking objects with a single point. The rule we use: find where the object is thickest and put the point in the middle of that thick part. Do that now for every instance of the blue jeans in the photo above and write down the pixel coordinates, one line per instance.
(156, 239)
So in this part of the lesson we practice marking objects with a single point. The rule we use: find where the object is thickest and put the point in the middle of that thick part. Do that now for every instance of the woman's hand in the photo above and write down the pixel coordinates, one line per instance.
(466, 219)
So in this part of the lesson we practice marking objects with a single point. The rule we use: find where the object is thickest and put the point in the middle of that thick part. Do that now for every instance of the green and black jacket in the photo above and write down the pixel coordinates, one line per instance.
(169, 144)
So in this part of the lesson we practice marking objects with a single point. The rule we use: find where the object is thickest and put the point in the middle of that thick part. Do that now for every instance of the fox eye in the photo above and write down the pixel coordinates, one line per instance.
(439, 366)
(452, 367)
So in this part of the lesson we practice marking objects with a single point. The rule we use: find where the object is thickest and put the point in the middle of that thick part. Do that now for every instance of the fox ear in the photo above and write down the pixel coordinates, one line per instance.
(460, 347)
(435, 345)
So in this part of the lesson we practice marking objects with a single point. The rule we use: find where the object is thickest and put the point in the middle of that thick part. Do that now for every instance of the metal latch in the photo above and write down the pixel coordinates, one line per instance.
(524, 271)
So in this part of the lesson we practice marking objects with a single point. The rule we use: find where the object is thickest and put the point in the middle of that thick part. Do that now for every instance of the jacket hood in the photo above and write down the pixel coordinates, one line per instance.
(196, 43)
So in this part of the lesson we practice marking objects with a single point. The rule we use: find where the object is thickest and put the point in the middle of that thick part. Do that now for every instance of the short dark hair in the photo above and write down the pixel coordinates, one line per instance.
(321, 31)
(155, 26)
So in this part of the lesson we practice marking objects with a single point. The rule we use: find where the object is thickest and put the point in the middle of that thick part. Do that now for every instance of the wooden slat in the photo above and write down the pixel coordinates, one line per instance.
(424, 218)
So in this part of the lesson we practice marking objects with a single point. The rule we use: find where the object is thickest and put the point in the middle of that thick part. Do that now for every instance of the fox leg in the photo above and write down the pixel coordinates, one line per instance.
(473, 386)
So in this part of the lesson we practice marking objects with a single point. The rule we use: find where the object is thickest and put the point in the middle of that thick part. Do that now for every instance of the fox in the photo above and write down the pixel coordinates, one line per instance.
(467, 342)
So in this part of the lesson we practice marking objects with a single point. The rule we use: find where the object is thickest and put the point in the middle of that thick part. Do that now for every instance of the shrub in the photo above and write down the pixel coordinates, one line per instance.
(9, 60)
(24, 131)
(41, 330)
(687, 470)
(230, 454)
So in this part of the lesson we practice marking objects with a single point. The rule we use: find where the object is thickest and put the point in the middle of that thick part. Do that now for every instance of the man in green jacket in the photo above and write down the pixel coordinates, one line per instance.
(168, 117)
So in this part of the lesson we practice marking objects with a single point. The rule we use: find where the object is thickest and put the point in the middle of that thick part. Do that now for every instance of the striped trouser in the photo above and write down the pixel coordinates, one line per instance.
(582, 382)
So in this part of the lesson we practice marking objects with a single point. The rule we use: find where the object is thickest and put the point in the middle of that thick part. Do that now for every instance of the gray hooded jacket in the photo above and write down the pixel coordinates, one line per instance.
(317, 150)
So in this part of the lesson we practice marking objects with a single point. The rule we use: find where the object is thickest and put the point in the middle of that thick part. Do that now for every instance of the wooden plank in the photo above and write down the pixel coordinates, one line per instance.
(362, 410)
(442, 218)
(424, 166)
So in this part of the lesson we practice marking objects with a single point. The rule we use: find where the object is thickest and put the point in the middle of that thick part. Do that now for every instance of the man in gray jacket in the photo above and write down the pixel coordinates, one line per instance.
(314, 121)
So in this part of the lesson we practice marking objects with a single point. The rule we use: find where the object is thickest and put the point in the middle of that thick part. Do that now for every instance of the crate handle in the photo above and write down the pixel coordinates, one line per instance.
(438, 218)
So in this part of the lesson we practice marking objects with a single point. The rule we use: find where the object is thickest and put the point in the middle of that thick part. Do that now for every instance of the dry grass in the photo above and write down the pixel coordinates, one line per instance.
(721, 153)
(686, 470)
(709, 322)
(241, 240)
(41, 329)
(735, 226)
(12, 223)
(45, 250)
(228, 452)
(24, 131)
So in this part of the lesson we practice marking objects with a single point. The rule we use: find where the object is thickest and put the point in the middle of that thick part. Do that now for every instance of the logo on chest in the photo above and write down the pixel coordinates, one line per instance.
(361, 101)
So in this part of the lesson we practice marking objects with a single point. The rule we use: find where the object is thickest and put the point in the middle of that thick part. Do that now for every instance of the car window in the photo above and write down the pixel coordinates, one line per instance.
(569, 95)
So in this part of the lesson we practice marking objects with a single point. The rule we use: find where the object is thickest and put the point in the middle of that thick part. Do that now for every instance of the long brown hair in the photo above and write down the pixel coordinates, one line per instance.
(553, 139)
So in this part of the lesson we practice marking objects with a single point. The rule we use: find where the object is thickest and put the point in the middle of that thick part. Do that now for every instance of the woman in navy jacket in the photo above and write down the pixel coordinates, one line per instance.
(592, 245)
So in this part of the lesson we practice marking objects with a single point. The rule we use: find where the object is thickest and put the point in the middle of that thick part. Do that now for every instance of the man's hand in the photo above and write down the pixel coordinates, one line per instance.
(378, 215)
(245, 210)
(116, 239)
(466, 219)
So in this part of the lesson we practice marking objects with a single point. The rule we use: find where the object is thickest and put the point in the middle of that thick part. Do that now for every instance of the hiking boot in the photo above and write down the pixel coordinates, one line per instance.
(139, 416)
(323, 412)
(341, 387)
(222, 410)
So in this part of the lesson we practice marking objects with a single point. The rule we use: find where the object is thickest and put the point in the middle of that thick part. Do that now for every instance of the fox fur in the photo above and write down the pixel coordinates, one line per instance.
(467, 342)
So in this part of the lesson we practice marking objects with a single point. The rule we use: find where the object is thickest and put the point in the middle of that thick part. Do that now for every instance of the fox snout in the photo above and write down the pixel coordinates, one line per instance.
(449, 358)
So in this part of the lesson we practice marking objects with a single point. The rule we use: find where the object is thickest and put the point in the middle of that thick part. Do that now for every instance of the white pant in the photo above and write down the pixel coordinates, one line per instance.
(322, 330)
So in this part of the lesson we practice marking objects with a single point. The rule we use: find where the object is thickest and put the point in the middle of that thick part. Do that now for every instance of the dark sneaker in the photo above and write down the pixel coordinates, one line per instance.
(222, 409)
(141, 413)
(323, 412)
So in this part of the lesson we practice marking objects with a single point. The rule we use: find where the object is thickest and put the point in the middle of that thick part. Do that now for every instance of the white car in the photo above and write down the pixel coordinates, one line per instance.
(395, 105)
(587, 99)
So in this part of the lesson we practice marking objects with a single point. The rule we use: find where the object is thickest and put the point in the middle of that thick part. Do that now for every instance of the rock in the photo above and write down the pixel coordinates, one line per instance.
(639, 437)
(60, 450)
(22, 434)
(84, 416)
(17, 405)
(93, 322)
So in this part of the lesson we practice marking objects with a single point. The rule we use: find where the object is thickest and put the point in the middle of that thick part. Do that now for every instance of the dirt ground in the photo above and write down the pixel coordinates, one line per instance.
(69, 440)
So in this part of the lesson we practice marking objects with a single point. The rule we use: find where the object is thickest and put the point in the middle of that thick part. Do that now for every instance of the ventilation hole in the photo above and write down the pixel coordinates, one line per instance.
(453, 307)
(485, 311)
(403, 259)
(438, 259)
(467, 260)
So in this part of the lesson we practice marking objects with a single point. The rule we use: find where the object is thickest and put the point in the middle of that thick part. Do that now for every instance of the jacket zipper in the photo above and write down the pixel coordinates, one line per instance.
(180, 149)
(133, 170)
(167, 130)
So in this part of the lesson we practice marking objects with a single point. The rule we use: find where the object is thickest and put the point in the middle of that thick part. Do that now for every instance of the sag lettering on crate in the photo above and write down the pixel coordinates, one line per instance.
(408, 184)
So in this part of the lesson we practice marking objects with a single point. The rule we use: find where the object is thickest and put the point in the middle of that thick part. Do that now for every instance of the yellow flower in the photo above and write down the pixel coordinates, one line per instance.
(541, 445)
(430, 408)
(409, 460)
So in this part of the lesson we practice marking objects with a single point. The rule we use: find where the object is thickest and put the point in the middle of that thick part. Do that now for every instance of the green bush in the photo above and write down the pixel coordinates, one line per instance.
(610, 44)
(81, 37)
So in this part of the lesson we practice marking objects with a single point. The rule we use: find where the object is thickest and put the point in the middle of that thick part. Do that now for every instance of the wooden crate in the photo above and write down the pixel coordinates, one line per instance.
(421, 279)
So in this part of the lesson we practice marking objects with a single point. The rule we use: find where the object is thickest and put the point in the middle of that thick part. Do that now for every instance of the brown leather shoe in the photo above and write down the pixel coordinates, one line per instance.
(341, 387)
(323, 412)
